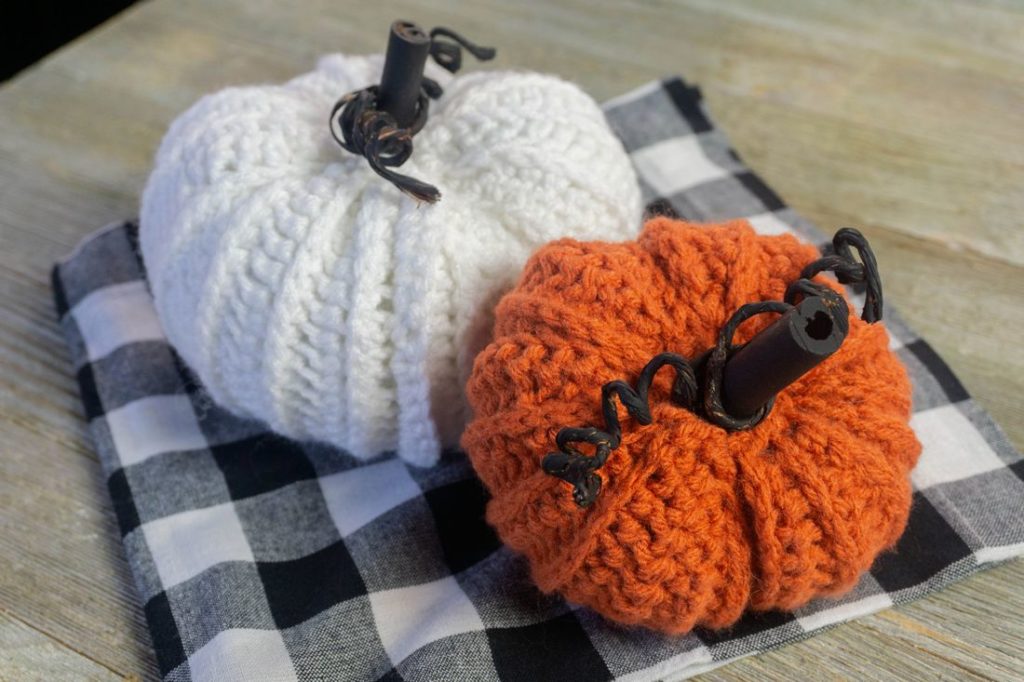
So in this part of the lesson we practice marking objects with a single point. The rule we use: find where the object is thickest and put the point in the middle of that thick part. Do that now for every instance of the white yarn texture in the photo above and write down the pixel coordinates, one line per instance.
(307, 292)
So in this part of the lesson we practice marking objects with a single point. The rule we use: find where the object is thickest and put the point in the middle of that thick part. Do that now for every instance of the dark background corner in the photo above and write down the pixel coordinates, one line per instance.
(31, 29)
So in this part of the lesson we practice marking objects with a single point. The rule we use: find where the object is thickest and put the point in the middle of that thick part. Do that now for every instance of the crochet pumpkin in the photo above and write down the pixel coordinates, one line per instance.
(309, 293)
(694, 524)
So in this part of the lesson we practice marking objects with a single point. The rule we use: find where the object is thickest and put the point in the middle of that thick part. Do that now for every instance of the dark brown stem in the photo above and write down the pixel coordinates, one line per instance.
(797, 342)
(402, 80)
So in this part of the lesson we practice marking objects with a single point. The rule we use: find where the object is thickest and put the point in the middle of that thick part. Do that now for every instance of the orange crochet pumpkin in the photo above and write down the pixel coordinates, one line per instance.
(694, 524)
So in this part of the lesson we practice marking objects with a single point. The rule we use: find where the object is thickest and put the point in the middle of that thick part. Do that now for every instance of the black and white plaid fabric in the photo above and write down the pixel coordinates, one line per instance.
(259, 558)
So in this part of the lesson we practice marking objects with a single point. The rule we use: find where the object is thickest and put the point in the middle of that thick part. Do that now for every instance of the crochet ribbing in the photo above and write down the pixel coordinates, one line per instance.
(309, 293)
(694, 524)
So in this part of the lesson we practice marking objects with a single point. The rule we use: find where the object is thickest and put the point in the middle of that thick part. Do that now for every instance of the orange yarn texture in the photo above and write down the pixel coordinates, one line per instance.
(694, 524)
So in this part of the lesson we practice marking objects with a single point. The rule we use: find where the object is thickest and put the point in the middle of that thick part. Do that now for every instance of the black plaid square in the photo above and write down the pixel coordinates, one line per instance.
(261, 463)
(939, 371)
(166, 639)
(458, 510)
(555, 649)
(299, 589)
(124, 502)
(749, 633)
(927, 548)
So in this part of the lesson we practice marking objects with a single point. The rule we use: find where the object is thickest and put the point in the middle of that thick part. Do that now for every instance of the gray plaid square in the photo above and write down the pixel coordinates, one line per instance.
(626, 650)
(235, 587)
(114, 248)
(504, 595)
(399, 548)
(718, 199)
(640, 119)
(342, 638)
(465, 656)
(119, 382)
(966, 505)
(287, 523)
(198, 484)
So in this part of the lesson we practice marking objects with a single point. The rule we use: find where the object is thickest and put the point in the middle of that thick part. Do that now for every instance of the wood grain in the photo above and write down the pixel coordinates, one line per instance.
(902, 118)
(29, 654)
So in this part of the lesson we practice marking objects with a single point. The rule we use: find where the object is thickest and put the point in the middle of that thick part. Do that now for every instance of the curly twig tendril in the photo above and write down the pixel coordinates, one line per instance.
(449, 55)
(359, 126)
(572, 466)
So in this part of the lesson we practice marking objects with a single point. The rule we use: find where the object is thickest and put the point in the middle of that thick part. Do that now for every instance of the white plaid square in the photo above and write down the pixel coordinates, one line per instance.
(410, 617)
(952, 449)
(895, 343)
(153, 425)
(116, 315)
(186, 544)
(693, 662)
(1001, 553)
(675, 165)
(845, 611)
(769, 223)
(357, 496)
(241, 656)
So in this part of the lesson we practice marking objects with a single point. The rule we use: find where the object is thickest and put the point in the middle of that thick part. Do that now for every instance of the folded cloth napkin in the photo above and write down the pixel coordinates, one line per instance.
(260, 558)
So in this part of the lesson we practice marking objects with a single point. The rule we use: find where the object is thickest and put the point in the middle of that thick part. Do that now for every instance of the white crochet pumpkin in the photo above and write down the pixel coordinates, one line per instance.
(308, 292)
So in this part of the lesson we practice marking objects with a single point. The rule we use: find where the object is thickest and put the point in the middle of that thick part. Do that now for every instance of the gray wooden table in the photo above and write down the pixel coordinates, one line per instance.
(904, 119)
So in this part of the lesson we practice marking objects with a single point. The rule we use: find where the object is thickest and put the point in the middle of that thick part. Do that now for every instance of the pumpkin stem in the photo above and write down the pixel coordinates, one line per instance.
(379, 122)
(401, 83)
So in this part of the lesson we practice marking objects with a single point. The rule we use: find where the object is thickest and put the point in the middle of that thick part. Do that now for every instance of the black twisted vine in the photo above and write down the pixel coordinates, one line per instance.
(360, 127)
(704, 397)
(847, 271)
(449, 55)
(572, 466)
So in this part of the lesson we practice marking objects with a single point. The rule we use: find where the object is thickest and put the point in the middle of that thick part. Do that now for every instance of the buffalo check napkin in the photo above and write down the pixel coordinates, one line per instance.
(260, 558)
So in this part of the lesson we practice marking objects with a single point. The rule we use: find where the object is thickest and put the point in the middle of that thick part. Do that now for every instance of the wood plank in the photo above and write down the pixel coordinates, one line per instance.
(63, 567)
(28, 654)
(934, 638)
(901, 118)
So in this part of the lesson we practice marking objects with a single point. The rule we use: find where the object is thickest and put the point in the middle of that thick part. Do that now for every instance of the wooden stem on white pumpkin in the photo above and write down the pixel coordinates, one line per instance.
(402, 80)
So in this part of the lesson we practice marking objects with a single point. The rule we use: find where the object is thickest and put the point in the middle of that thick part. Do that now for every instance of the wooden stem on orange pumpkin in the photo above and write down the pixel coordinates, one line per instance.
(402, 80)
(794, 344)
